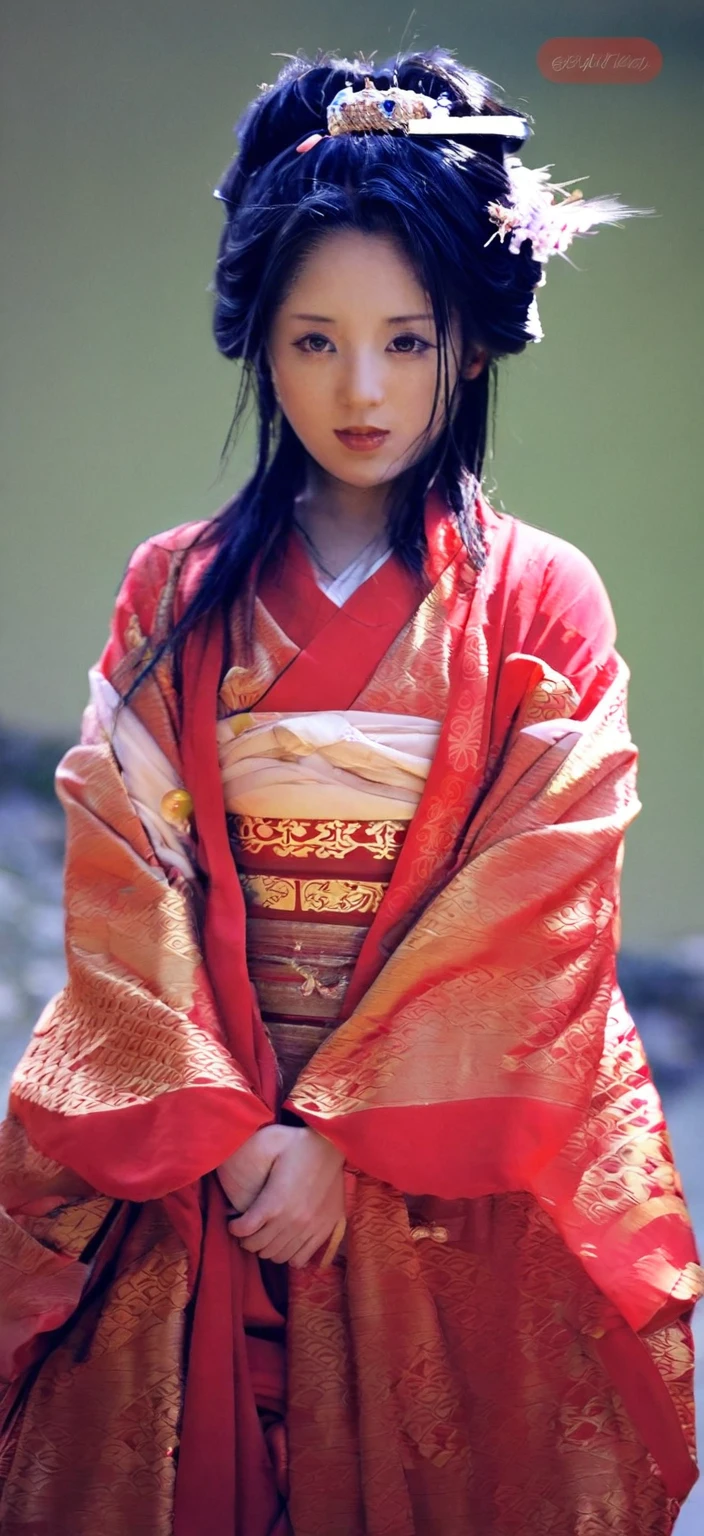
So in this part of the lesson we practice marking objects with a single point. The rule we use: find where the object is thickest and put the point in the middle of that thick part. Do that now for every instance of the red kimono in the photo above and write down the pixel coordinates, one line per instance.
(503, 1343)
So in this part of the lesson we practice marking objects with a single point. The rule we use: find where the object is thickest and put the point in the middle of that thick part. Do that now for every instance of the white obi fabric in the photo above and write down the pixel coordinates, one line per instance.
(350, 764)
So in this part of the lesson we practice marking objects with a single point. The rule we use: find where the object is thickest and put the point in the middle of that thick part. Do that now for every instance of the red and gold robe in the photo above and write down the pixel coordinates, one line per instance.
(503, 1345)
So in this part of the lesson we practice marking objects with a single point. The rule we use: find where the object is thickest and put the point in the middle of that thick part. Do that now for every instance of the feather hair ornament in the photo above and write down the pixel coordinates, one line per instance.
(534, 214)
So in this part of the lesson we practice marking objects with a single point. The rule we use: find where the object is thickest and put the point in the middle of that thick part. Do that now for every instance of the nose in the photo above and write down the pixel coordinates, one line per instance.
(361, 382)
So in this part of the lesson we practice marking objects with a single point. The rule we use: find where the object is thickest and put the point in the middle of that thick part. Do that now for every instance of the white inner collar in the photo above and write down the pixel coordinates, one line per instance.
(358, 571)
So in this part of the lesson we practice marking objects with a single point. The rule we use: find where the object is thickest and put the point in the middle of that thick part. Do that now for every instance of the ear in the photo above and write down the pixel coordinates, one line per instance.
(475, 362)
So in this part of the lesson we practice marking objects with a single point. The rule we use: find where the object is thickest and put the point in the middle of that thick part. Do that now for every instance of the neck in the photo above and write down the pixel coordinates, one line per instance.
(340, 520)
(350, 509)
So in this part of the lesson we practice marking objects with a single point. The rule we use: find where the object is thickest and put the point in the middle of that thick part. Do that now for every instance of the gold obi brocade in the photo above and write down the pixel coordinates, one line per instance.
(318, 806)
(311, 889)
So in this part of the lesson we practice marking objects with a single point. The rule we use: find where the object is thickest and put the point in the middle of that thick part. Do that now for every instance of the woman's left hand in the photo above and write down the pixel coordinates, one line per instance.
(301, 1203)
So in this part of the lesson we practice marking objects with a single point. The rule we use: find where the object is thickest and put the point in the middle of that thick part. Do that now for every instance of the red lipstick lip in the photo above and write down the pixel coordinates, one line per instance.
(361, 433)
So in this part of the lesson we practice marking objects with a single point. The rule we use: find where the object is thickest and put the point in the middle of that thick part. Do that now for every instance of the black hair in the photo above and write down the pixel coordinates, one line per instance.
(430, 195)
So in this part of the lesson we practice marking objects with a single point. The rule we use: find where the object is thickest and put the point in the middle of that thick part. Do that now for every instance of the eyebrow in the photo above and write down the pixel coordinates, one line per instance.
(392, 319)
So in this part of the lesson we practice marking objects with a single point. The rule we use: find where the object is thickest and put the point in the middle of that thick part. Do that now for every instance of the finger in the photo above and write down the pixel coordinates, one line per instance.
(261, 1211)
(271, 1234)
(305, 1253)
(280, 1252)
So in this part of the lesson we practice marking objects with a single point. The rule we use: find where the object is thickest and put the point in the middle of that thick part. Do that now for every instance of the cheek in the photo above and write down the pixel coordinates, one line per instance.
(303, 392)
(420, 398)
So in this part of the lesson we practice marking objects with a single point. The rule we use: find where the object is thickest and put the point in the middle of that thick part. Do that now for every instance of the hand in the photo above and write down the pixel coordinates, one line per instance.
(301, 1203)
(245, 1173)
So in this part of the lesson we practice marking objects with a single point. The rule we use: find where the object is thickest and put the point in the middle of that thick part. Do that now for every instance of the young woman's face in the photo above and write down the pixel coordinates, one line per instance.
(354, 344)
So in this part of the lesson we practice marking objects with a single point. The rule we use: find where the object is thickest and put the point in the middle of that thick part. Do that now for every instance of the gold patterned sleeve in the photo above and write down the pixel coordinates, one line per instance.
(128, 1078)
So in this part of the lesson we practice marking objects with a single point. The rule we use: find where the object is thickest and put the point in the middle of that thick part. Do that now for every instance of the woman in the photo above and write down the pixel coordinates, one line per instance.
(338, 1194)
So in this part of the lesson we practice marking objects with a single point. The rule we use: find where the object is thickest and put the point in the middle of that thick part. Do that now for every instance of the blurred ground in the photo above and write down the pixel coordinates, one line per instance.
(666, 995)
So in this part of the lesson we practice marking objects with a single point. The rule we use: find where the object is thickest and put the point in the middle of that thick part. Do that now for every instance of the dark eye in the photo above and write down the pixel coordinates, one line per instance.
(311, 337)
(417, 343)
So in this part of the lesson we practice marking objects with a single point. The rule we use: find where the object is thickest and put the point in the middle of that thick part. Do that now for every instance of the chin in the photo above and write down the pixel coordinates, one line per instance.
(364, 474)
(378, 466)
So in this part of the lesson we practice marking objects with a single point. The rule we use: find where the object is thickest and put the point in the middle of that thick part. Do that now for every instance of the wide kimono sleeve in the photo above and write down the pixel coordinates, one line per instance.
(493, 1050)
(128, 1078)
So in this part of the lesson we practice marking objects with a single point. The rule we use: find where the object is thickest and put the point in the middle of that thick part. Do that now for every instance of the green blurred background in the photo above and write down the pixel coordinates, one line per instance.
(118, 124)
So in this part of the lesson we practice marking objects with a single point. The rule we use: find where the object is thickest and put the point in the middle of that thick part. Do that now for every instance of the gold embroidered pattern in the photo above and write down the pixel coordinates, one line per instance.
(289, 837)
(414, 675)
(341, 895)
(100, 1421)
(431, 1318)
(148, 1048)
(290, 895)
(270, 891)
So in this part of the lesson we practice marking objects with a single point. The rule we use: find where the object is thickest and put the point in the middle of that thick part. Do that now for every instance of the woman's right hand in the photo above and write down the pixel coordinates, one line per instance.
(244, 1174)
(302, 1204)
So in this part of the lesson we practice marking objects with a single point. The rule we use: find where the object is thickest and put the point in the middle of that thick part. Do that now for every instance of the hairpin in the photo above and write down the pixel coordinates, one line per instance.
(370, 110)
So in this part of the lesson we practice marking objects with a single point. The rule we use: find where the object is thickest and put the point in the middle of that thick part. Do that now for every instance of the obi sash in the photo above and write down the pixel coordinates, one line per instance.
(312, 885)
